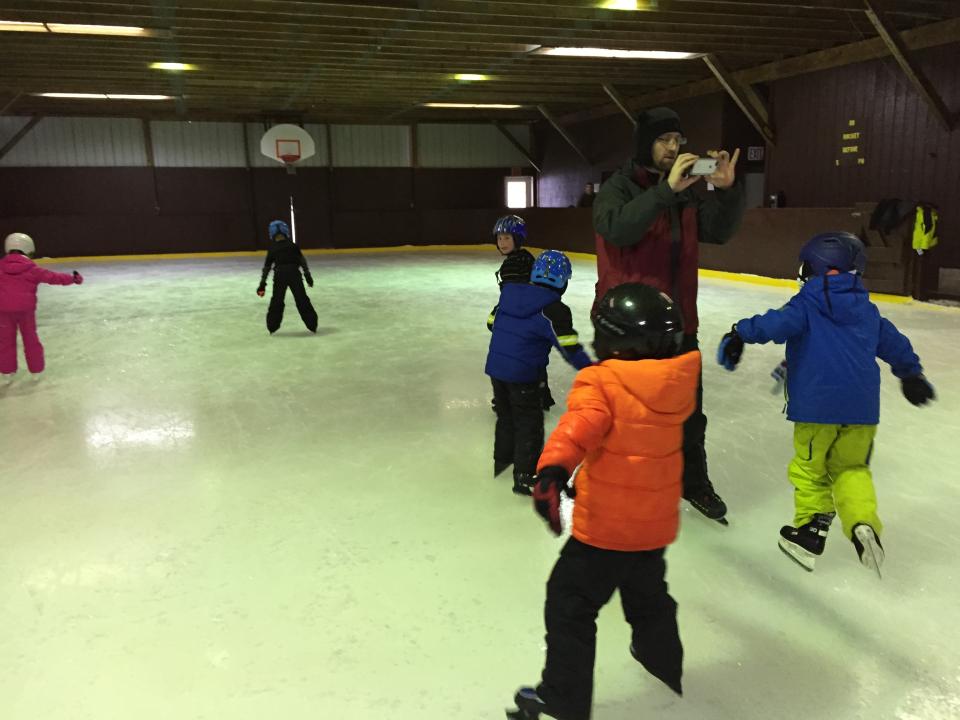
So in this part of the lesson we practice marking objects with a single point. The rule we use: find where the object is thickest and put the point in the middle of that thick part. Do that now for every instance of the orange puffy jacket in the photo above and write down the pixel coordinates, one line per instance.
(624, 422)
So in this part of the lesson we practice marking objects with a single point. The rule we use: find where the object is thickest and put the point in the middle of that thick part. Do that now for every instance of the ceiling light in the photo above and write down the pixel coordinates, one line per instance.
(628, 4)
(470, 77)
(17, 26)
(172, 66)
(620, 54)
(76, 29)
(101, 96)
(474, 106)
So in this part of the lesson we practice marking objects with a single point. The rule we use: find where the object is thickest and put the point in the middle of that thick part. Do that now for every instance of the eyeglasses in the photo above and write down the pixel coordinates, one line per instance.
(680, 140)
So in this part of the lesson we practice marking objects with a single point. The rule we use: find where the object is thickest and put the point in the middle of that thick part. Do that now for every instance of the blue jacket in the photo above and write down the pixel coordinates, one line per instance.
(528, 320)
(834, 335)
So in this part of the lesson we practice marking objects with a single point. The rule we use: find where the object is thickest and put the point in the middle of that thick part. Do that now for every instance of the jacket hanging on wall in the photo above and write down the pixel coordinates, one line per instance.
(925, 228)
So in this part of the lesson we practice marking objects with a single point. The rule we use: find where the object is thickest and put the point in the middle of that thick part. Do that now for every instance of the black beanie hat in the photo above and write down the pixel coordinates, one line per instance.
(651, 124)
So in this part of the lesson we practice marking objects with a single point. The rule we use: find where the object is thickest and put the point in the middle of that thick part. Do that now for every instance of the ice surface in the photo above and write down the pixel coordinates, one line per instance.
(198, 520)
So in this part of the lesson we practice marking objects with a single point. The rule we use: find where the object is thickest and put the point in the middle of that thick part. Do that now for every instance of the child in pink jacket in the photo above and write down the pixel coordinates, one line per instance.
(19, 277)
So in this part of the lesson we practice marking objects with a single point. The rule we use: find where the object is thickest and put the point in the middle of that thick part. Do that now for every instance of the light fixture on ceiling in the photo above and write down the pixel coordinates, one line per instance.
(76, 29)
(627, 4)
(472, 106)
(617, 54)
(17, 26)
(101, 96)
(470, 77)
(172, 66)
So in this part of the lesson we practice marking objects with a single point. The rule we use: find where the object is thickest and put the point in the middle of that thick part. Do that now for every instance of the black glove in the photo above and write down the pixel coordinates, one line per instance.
(309, 278)
(77, 278)
(550, 482)
(917, 390)
(730, 350)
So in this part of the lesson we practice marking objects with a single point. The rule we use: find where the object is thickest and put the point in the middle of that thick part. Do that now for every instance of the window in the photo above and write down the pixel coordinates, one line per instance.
(519, 191)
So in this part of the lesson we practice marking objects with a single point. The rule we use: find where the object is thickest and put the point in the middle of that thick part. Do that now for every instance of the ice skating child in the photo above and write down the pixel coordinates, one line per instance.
(529, 319)
(624, 423)
(509, 235)
(834, 335)
(19, 277)
(286, 260)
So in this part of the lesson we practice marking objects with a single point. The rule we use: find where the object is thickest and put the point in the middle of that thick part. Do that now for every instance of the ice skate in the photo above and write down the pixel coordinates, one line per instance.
(529, 706)
(805, 544)
(868, 547)
(499, 467)
(708, 503)
(523, 484)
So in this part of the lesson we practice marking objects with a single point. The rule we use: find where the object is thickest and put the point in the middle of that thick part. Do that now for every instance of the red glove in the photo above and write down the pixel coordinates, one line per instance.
(77, 278)
(551, 481)
(261, 291)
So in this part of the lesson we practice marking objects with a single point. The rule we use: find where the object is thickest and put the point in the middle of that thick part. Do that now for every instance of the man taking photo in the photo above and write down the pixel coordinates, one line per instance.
(648, 222)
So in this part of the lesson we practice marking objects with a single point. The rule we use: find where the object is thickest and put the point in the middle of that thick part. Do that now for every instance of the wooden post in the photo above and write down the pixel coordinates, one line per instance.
(329, 142)
(151, 162)
(252, 184)
(911, 69)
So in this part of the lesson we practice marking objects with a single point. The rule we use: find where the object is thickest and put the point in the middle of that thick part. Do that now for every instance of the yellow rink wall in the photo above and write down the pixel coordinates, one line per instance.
(712, 274)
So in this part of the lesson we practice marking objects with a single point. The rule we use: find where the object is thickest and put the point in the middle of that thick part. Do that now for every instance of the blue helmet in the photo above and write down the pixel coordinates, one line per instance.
(513, 224)
(279, 227)
(841, 251)
(551, 268)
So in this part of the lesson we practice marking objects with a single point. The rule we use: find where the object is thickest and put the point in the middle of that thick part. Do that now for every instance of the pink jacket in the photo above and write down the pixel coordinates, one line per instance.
(19, 277)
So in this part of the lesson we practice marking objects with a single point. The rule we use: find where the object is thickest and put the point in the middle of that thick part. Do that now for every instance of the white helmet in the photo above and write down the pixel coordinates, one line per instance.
(19, 241)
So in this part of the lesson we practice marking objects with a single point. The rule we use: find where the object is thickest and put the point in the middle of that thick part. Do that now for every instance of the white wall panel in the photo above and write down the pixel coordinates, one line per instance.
(75, 142)
(370, 145)
(198, 144)
(466, 146)
(255, 131)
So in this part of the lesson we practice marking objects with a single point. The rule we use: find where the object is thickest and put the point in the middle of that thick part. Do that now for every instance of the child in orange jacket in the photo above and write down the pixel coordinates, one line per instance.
(624, 428)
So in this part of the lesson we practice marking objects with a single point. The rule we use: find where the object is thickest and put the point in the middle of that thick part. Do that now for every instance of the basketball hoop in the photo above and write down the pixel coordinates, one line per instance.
(287, 144)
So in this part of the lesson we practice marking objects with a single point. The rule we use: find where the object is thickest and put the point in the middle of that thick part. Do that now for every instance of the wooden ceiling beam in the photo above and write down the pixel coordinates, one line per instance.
(925, 36)
(744, 96)
(517, 144)
(913, 71)
(550, 118)
(620, 102)
(20, 135)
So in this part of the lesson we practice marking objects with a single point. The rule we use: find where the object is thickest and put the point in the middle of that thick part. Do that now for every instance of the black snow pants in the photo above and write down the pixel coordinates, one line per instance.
(288, 276)
(695, 477)
(519, 433)
(582, 582)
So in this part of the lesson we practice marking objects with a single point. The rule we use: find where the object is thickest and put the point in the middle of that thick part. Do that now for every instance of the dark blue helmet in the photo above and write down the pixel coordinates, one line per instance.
(513, 224)
(552, 269)
(279, 227)
(841, 251)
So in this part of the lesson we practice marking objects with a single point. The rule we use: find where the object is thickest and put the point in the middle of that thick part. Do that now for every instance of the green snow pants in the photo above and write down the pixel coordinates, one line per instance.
(831, 472)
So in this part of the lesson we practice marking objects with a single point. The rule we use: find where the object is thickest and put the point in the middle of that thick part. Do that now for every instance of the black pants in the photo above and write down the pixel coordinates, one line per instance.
(695, 477)
(519, 433)
(288, 276)
(582, 582)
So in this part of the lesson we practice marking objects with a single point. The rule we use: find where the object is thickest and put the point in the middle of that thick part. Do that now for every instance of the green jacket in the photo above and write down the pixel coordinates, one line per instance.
(647, 233)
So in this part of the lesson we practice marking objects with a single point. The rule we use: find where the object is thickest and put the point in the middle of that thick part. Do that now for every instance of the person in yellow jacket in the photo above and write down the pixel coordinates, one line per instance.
(624, 428)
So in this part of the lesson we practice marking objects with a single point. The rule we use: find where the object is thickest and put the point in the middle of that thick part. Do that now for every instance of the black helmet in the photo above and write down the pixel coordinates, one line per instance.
(637, 322)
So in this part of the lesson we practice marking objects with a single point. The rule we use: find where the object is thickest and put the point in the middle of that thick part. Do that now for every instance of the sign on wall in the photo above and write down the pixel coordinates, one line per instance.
(851, 146)
(755, 153)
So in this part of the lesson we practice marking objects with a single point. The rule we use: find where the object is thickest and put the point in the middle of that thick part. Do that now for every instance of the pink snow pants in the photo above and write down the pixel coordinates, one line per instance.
(27, 322)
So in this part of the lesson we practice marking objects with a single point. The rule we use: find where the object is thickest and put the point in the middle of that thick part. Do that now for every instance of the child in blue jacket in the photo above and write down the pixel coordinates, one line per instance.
(834, 335)
(527, 322)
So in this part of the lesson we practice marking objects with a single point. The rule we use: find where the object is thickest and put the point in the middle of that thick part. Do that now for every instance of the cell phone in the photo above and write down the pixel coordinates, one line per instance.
(704, 166)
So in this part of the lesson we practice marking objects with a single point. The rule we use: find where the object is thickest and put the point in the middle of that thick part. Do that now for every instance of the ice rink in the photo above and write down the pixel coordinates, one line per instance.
(200, 521)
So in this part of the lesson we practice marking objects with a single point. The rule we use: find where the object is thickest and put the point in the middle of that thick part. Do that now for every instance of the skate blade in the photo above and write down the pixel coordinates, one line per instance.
(519, 715)
(872, 557)
(801, 557)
